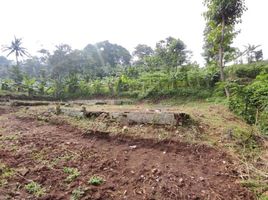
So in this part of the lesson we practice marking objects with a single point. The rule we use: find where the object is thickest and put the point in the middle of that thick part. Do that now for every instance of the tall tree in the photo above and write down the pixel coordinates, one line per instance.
(106, 54)
(32, 66)
(17, 49)
(113, 54)
(252, 54)
(4, 66)
(223, 14)
(58, 60)
(93, 56)
(258, 55)
(141, 52)
(45, 54)
(172, 52)
(17, 75)
(212, 40)
(4, 61)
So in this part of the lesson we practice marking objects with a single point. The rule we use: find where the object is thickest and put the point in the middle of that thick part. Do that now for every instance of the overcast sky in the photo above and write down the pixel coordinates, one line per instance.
(46, 23)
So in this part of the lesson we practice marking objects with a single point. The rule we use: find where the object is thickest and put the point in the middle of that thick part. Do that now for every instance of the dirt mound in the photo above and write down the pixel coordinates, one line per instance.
(130, 168)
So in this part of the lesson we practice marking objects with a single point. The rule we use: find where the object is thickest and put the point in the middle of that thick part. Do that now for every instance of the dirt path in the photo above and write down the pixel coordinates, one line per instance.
(132, 169)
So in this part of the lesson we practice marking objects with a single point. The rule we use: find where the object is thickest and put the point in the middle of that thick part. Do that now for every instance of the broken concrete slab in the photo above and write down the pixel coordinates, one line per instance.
(94, 114)
(102, 102)
(162, 118)
(157, 118)
(119, 102)
(72, 112)
(29, 103)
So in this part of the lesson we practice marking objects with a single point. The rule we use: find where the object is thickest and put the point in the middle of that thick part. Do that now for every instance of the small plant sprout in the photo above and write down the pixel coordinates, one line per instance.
(5, 174)
(73, 173)
(96, 180)
(35, 189)
(77, 193)
(58, 109)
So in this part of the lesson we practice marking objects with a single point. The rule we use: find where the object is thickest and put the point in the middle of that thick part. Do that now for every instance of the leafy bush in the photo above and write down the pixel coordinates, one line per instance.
(193, 93)
(263, 120)
(251, 101)
(247, 70)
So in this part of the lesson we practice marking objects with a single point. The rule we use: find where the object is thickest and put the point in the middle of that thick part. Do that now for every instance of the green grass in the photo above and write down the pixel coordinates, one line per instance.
(5, 174)
(258, 187)
(66, 157)
(35, 189)
(263, 197)
(39, 156)
(9, 138)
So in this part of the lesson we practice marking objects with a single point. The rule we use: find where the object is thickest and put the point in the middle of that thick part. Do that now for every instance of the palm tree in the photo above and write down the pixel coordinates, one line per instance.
(250, 51)
(17, 49)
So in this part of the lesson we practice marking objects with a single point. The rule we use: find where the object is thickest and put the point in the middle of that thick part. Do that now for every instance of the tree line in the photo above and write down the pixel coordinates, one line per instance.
(107, 69)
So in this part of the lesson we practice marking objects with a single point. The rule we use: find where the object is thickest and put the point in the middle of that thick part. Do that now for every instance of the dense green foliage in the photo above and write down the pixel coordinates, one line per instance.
(221, 17)
(250, 96)
(106, 69)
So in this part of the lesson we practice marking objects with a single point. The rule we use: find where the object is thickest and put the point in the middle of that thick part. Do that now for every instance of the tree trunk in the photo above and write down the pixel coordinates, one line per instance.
(221, 57)
(17, 61)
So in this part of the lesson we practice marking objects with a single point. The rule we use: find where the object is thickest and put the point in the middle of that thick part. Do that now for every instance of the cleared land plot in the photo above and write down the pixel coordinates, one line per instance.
(63, 161)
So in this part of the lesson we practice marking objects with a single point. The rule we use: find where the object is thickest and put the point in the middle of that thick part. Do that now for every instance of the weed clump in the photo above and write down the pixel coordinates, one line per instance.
(5, 174)
(96, 180)
(35, 189)
(73, 173)
(77, 193)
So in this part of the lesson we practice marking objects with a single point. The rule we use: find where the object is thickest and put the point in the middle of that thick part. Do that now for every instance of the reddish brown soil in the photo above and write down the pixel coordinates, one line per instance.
(132, 168)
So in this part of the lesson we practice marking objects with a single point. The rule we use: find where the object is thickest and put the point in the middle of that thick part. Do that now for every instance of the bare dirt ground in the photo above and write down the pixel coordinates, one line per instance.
(131, 168)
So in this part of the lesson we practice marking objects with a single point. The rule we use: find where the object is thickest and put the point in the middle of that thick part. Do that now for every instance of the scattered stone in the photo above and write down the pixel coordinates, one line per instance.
(23, 171)
(133, 147)
(181, 182)
(124, 129)
(100, 103)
